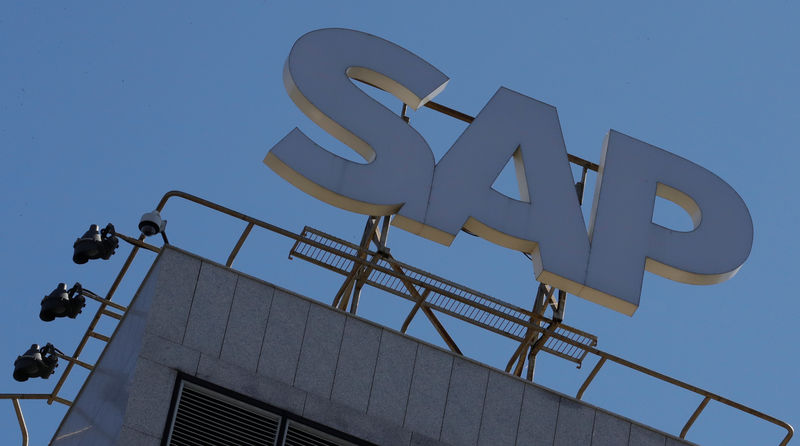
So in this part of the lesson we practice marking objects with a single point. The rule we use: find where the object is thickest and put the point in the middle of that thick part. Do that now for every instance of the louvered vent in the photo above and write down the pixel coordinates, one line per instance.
(207, 418)
(300, 435)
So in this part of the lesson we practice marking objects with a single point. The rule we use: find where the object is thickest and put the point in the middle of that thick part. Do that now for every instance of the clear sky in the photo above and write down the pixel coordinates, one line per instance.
(106, 106)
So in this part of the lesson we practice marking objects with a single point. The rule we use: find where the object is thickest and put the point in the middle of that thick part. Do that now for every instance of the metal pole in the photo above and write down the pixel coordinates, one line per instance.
(414, 310)
(75, 361)
(589, 378)
(239, 243)
(694, 416)
(21, 420)
(539, 307)
(581, 185)
(538, 346)
(104, 301)
(358, 269)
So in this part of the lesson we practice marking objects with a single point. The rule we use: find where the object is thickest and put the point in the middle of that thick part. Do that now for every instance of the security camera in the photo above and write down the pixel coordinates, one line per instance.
(151, 223)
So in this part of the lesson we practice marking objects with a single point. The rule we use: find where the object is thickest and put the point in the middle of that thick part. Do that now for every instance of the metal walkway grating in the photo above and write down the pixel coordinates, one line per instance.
(440, 294)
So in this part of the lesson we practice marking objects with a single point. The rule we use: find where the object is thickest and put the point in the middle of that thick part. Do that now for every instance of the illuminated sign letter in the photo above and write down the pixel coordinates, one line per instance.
(605, 266)
(400, 163)
(625, 241)
(547, 222)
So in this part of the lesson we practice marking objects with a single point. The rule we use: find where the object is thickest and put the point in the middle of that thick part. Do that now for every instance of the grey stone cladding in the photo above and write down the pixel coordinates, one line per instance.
(196, 317)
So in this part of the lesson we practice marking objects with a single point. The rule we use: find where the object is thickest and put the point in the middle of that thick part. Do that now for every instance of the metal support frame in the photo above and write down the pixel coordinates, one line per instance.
(537, 346)
(694, 416)
(34, 396)
(372, 234)
(104, 301)
(15, 397)
(544, 297)
(21, 420)
(335, 252)
(517, 360)
(707, 396)
(72, 360)
(534, 339)
(99, 336)
(239, 244)
(442, 295)
(342, 297)
(426, 310)
(303, 239)
(101, 311)
(461, 303)
(350, 291)
(414, 309)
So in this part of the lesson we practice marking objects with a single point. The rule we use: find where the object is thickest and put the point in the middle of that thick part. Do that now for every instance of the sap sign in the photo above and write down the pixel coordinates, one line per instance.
(435, 200)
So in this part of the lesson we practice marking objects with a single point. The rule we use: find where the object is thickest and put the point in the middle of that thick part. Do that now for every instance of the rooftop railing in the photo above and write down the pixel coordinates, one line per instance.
(429, 293)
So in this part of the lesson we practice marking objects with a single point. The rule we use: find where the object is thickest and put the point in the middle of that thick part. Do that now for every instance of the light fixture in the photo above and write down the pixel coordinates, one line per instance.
(36, 363)
(62, 302)
(95, 244)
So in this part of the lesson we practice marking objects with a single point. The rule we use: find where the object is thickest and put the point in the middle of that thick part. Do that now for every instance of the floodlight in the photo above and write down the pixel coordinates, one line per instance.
(36, 363)
(62, 302)
(95, 244)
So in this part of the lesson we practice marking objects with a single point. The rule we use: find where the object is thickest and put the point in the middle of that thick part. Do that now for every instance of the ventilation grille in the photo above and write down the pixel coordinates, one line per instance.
(299, 435)
(203, 418)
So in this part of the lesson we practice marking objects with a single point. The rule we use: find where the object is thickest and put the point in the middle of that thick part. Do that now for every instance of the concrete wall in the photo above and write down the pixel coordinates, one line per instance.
(336, 369)
(99, 409)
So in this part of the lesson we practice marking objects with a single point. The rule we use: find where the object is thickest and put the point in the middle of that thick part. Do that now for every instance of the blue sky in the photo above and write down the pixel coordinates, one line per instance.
(104, 107)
